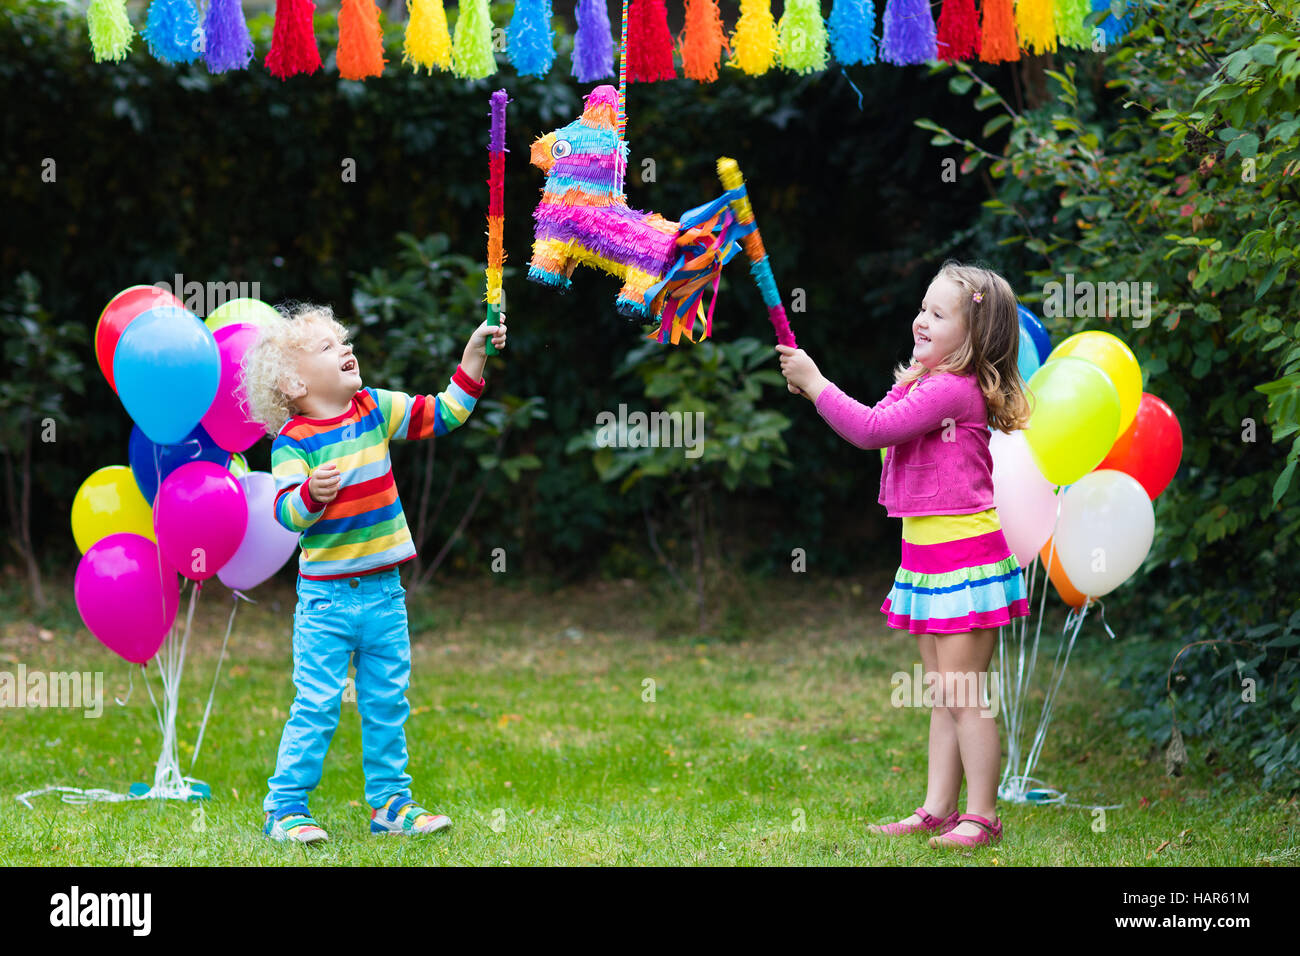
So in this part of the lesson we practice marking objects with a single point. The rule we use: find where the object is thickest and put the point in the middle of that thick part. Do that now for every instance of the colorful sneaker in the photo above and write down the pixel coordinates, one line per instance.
(295, 825)
(404, 815)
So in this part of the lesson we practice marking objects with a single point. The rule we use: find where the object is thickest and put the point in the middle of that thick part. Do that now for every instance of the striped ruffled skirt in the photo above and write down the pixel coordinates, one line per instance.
(957, 574)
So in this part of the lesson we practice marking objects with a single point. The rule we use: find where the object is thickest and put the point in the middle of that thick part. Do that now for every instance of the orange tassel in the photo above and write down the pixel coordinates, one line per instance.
(704, 40)
(361, 40)
(998, 42)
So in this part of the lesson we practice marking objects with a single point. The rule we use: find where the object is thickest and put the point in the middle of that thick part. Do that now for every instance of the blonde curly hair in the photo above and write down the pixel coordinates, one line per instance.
(271, 364)
(992, 345)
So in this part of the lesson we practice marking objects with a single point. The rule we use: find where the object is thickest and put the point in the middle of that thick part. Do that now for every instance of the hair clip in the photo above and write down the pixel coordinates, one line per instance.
(977, 296)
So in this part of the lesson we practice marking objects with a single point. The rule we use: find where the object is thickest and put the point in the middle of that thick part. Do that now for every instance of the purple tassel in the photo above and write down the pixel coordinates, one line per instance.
(593, 45)
(228, 44)
(909, 33)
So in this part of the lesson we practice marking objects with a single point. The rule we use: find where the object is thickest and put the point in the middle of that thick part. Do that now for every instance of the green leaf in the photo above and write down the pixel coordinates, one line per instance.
(995, 124)
(1283, 481)
(1268, 280)
(1264, 53)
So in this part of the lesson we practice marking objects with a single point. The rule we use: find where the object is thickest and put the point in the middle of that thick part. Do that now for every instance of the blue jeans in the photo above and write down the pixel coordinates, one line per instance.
(363, 617)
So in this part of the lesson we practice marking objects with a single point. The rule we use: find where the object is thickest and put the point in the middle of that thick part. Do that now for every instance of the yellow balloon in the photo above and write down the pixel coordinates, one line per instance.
(1113, 356)
(1072, 425)
(107, 502)
(252, 311)
(238, 465)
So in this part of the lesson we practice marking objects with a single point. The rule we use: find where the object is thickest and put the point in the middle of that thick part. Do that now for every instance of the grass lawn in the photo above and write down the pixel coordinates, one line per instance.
(529, 730)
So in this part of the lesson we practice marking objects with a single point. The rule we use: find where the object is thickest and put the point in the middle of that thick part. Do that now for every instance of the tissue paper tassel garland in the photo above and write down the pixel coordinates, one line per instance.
(428, 41)
(755, 42)
(361, 40)
(909, 33)
(998, 42)
(172, 31)
(228, 44)
(472, 44)
(293, 44)
(593, 45)
(958, 37)
(851, 25)
(649, 44)
(110, 29)
(803, 36)
(704, 40)
(529, 40)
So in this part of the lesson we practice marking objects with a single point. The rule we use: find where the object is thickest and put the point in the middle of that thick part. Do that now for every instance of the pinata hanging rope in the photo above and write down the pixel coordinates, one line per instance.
(622, 87)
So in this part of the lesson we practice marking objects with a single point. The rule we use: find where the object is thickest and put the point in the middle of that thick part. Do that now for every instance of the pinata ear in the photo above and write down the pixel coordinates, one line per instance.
(601, 109)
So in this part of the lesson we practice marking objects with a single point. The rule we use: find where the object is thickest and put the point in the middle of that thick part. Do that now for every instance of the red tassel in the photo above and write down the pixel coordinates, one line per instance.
(649, 44)
(293, 44)
(361, 40)
(998, 41)
(959, 36)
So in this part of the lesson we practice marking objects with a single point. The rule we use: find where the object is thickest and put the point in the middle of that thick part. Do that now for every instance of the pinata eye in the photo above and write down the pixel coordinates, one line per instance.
(561, 148)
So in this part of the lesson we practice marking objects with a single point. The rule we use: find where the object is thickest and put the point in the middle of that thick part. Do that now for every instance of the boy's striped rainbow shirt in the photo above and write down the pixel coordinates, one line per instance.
(363, 529)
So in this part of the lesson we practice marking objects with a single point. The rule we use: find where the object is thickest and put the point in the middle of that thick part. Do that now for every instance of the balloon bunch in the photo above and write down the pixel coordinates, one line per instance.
(187, 504)
(1112, 447)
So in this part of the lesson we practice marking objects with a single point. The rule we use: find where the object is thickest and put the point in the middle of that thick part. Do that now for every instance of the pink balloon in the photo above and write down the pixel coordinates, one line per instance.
(200, 515)
(125, 598)
(226, 420)
(1025, 500)
(267, 544)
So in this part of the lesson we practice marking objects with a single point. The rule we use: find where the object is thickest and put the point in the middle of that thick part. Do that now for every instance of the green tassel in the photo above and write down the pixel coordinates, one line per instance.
(471, 48)
(110, 29)
(1071, 31)
(803, 36)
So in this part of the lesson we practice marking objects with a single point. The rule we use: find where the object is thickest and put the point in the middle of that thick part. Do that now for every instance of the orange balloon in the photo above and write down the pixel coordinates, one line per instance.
(1069, 594)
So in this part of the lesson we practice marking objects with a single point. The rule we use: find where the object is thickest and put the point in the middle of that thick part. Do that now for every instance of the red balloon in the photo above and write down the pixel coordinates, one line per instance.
(1150, 448)
(121, 310)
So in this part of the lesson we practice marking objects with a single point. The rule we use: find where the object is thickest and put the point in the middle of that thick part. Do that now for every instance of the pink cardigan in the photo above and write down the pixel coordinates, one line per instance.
(923, 474)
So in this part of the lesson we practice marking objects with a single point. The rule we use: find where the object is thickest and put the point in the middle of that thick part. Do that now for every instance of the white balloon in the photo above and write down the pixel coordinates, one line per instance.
(1105, 532)
(1025, 500)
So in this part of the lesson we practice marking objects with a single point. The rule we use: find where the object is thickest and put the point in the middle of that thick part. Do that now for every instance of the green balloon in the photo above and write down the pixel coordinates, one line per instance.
(252, 311)
(1075, 417)
(238, 465)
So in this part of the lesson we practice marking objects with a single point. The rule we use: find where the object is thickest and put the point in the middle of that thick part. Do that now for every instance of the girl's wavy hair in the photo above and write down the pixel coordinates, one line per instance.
(992, 345)
(271, 364)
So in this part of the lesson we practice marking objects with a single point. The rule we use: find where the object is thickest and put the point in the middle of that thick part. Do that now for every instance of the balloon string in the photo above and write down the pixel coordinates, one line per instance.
(230, 623)
(157, 486)
(1102, 605)
(130, 675)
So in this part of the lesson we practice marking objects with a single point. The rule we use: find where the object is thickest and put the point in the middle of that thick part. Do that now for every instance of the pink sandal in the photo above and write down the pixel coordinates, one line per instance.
(991, 832)
(928, 822)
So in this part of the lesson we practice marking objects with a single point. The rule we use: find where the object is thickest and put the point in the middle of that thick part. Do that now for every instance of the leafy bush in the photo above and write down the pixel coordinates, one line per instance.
(1191, 187)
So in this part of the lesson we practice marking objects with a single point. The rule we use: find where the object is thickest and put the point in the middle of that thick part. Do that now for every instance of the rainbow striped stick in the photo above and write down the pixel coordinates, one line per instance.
(752, 243)
(496, 211)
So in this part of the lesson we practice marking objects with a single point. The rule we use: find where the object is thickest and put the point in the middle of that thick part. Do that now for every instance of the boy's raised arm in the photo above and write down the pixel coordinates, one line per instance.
(419, 416)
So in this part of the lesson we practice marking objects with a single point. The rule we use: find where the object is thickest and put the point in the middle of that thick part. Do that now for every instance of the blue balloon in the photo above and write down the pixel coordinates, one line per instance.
(167, 368)
(1042, 341)
(151, 463)
(1027, 358)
